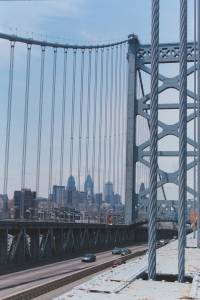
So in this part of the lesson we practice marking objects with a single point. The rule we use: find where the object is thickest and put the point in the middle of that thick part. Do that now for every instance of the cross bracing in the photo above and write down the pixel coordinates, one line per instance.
(169, 53)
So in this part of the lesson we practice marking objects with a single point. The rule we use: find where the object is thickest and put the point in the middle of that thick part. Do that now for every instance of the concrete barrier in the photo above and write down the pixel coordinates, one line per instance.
(41, 289)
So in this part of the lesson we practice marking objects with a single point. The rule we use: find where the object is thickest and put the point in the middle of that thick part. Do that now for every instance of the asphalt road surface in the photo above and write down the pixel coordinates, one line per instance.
(17, 282)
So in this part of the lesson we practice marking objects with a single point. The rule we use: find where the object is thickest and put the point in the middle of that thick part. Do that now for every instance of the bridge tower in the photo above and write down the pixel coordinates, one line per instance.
(130, 194)
(138, 106)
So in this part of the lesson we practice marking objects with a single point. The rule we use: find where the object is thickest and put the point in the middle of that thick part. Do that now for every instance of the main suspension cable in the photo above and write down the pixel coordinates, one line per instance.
(195, 108)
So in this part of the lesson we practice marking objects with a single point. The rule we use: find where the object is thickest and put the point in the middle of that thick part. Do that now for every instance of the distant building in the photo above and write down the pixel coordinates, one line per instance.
(71, 185)
(117, 200)
(98, 200)
(71, 188)
(11, 209)
(42, 203)
(89, 186)
(4, 213)
(58, 195)
(108, 193)
(24, 203)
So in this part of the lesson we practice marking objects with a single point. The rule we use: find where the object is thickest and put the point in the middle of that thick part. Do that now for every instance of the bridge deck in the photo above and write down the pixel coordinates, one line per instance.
(58, 224)
(116, 285)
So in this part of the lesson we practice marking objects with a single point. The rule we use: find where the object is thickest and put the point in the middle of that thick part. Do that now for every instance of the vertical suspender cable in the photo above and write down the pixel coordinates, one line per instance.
(153, 139)
(198, 129)
(9, 115)
(72, 111)
(81, 117)
(119, 118)
(94, 113)
(125, 115)
(62, 137)
(40, 116)
(88, 114)
(105, 120)
(52, 126)
(100, 120)
(115, 119)
(111, 115)
(182, 141)
(26, 106)
(195, 107)
(123, 125)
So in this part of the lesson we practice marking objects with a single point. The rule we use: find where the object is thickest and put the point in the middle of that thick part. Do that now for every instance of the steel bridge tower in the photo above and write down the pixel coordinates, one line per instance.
(139, 59)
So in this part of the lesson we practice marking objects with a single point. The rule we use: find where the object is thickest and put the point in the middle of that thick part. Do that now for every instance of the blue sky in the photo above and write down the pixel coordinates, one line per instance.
(90, 20)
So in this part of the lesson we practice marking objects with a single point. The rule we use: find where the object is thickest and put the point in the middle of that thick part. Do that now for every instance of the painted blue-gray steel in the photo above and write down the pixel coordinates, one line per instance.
(168, 53)
(26, 108)
(131, 132)
(154, 139)
(198, 137)
(24, 144)
(9, 115)
(40, 117)
(182, 141)
(30, 41)
(52, 124)
(195, 108)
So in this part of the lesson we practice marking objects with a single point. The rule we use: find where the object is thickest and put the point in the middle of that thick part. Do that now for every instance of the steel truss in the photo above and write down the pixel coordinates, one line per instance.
(168, 53)
(25, 242)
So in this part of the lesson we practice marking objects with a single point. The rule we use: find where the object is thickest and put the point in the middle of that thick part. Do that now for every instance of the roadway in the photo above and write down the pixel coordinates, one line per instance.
(18, 281)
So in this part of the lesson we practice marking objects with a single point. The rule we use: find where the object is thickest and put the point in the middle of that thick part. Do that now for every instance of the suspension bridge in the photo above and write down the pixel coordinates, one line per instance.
(99, 130)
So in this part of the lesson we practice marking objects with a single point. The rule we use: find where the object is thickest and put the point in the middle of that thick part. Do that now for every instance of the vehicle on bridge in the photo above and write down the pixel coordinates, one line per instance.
(125, 251)
(88, 257)
(121, 251)
(116, 251)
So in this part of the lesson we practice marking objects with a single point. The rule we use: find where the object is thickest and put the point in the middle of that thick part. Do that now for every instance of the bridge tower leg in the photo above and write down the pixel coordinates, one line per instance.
(130, 194)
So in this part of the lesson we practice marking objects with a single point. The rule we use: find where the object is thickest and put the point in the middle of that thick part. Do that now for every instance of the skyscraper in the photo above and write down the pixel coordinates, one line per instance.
(108, 193)
(58, 195)
(25, 203)
(71, 185)
(71, 190)
(89, 186)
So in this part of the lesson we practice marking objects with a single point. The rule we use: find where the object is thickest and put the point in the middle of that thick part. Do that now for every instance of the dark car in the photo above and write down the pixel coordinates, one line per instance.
(116, 251)
(125, 251)
(89, 257)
